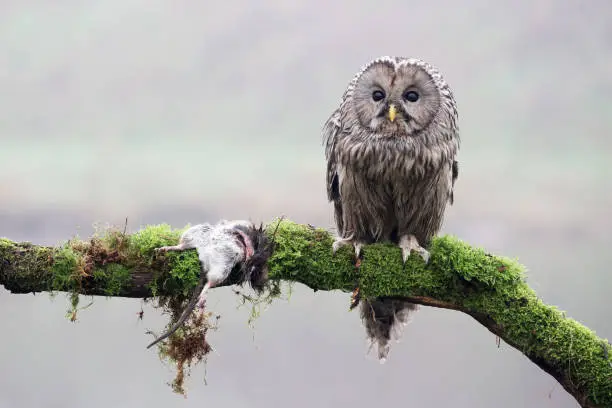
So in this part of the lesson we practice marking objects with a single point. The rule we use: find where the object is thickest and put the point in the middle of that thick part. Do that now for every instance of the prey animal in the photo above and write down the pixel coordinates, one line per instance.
(223, 249)
(391, 150)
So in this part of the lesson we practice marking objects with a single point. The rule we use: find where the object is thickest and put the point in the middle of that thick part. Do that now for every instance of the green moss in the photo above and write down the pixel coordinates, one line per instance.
(183, 268)
(24, 267)
(6, 243)
(64, 268)
(113, 239)
(184, 272)
(114, 279)
(544, 333)
(454, 270)
(7, 248)
(143, 242)
(303, 251)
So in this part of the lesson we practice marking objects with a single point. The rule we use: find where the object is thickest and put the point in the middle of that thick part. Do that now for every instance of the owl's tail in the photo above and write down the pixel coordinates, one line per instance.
(383, 319)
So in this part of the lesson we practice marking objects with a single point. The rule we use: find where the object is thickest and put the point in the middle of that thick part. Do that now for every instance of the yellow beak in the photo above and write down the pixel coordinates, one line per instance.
(392, 112)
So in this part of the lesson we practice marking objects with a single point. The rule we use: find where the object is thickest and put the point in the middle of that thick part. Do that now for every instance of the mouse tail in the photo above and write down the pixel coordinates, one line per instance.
(188, 309)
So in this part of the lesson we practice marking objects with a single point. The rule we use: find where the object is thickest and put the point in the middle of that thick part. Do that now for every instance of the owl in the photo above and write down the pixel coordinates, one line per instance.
(391, 151)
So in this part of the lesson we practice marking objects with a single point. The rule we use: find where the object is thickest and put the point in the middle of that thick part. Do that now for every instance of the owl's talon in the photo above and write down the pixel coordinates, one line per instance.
(340, 242)
(357, 246)
(409, 243)
(425, 255)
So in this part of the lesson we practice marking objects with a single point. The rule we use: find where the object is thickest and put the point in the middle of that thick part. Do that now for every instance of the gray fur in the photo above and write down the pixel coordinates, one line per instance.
(391, 180)
(219, 252)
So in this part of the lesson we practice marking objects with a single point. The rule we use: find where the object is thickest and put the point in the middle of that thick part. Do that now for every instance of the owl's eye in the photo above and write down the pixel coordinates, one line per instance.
(378, 95)
(411, 96)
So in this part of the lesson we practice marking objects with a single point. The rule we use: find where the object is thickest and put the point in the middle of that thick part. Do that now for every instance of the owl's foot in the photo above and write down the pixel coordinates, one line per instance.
(340, 242)
(409, 243)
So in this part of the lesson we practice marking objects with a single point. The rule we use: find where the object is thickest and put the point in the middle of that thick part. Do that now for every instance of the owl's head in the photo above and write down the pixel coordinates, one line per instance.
(397, 96)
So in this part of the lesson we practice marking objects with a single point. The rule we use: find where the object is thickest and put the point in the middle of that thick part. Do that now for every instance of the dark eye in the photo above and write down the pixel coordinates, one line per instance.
(411, 96)
(378, 95)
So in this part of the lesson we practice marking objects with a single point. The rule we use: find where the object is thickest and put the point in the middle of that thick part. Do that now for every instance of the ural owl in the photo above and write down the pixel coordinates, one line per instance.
(391, 168)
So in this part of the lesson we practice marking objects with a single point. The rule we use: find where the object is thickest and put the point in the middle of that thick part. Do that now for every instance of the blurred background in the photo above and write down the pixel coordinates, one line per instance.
(184, 112)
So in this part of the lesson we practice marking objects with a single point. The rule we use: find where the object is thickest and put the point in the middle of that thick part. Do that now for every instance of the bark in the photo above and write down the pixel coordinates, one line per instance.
(491, 289)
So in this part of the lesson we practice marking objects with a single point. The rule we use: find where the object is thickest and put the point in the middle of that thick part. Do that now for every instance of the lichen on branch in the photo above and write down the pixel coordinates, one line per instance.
(491, 289)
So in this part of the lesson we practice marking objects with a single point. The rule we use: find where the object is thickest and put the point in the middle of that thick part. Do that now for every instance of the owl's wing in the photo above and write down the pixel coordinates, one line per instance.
(455, 170)
(330, 133)
(331, 128)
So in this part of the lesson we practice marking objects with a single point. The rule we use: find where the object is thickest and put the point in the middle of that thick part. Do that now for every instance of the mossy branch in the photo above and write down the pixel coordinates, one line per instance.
(489, 288)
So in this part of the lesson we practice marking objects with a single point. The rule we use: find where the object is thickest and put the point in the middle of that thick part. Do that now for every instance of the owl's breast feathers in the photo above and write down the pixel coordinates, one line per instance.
(380, 186)
(389, 159)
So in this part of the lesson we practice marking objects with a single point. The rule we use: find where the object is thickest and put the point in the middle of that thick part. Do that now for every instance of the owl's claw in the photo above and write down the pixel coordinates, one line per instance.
(409, 243)
(357, 246)
(337, 244)
(340, 242)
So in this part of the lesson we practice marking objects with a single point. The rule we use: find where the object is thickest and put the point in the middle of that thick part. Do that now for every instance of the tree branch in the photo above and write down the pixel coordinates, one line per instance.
(491, 289)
